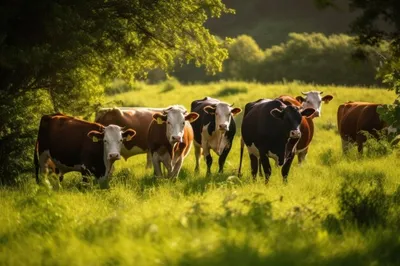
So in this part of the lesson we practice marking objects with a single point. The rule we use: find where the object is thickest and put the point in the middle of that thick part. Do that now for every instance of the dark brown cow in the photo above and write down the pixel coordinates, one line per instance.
(77, 145)
(137, 118)
(170, 138)
(354, 117)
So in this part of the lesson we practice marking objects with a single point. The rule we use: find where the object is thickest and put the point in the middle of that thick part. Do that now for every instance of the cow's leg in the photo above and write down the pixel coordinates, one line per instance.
(360, 139)
(197, 153)
(156, 164)
(254, 165)
(265, 165)
(148, 160)
(207, 156)
(345, 145)
(301, 156)
(222, 159)
(286, 168)
(177, 167)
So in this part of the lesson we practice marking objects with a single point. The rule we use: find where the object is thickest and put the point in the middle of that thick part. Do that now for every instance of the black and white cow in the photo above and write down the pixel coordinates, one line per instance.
(271, 129)
(213, 130)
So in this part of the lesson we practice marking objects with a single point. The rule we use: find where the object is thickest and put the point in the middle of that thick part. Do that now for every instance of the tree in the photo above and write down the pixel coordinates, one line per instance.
(64, 51)
(379, 20)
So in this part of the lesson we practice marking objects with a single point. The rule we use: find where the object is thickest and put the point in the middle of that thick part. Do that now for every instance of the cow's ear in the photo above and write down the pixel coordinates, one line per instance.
(96, 136)
(308, 112)
(191, 117)
(300, 99)
(278, 114)
(128, 134)
(159, 118)
(236, 111)
(209, 109)
(327, 98)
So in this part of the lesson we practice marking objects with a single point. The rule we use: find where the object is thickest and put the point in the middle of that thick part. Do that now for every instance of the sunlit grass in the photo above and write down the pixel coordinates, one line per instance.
(216, 220)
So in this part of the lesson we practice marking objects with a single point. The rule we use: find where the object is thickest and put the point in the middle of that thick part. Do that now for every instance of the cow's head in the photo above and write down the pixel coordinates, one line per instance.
(313, 100)
(223, 113)
(291, 117)
(112, 137)
(175, 118)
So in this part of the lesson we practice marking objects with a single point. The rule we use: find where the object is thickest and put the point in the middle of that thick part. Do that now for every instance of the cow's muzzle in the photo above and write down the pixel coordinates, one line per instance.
(114, 156)
(223, 127)
(176, 139)
(295, 134)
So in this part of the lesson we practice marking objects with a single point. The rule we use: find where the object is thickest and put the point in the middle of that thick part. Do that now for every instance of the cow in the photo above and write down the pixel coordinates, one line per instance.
(170, 138)
(137, 118)
(313, 100)
(77, 145)
(355, 117)
(271, 129)
(213, 130)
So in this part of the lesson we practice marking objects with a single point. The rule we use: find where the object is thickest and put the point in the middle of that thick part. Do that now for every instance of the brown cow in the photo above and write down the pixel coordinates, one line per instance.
(170, 138)
(137, 118)
(77, 145)
(354, 117)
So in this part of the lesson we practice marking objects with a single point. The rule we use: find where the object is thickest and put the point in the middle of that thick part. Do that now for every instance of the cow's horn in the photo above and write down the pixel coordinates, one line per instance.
(304, 93)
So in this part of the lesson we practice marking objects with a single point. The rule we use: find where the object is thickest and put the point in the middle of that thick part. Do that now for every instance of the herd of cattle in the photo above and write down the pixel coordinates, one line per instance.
(271, 128)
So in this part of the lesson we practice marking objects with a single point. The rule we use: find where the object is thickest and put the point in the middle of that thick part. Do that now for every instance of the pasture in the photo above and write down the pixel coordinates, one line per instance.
(335, 210)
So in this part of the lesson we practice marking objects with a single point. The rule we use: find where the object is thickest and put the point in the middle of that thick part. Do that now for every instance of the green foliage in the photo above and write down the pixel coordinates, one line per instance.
(70, 50)
(244, 59)
(308, 57)
(319, 59)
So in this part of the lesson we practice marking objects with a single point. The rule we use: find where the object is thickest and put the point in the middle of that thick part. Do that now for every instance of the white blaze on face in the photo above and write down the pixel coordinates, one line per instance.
(112, 142)
(313, 100)
(222, 116)
(175, 124)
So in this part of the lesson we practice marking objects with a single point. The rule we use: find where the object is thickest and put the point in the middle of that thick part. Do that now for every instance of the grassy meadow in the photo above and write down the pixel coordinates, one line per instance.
(335, 210)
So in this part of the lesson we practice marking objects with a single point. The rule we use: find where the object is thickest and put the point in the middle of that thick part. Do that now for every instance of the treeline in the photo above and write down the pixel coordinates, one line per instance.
(308, 57)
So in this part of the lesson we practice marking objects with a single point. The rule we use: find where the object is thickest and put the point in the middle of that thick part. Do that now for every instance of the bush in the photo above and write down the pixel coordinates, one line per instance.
(308, 57)
(319, 59)
(120, 86)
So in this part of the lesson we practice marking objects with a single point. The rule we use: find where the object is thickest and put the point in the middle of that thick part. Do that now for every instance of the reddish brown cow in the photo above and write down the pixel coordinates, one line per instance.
(137, 118)
(170, 138)
(76, 145)
(354, 117)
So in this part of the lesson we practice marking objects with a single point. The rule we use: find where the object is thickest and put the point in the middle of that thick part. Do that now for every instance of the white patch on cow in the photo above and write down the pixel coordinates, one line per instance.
(222, 116)
(300, 150)
(313, 100)
(113, 143)
(253, 150)
(217, 141)
(275, 157)
(175, 124)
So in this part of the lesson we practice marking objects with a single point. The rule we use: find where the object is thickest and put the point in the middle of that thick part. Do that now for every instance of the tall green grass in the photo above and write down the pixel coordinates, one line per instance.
(335, 210)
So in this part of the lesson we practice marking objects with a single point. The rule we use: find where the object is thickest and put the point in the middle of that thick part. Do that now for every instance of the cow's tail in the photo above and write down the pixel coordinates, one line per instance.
(36, 161)
(241, 157)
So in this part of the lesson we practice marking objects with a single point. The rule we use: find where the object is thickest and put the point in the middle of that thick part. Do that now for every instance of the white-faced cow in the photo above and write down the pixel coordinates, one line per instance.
(137, 118)
(271, 129)
(313, 100)
(77, 145)
(213, 130)
(170, 138)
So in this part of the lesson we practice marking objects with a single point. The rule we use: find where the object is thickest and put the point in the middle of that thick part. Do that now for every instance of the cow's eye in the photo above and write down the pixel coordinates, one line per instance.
(120, 140)
(105, 141)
